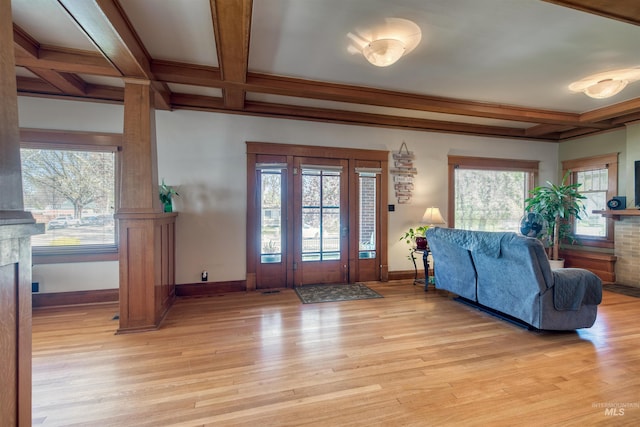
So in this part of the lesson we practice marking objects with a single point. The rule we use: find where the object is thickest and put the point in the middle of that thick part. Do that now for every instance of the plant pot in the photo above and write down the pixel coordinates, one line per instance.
(556, 263)
(421, 243)
(168, 207)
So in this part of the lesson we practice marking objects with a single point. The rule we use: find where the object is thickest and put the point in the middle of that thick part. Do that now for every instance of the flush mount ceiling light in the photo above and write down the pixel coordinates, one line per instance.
(386, 43)
(605, 85)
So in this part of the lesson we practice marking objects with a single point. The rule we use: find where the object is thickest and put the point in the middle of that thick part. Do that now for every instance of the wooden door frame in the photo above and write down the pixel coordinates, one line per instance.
(352, 155)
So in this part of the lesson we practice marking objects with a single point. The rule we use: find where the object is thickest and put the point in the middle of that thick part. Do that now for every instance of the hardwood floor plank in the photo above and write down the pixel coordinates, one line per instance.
(411, 358)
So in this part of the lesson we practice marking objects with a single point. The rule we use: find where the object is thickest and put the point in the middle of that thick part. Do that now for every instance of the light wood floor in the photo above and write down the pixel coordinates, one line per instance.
(410, 359)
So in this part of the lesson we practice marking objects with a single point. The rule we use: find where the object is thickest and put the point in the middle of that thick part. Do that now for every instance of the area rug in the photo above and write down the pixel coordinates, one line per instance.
(631, 291)
(311, 294)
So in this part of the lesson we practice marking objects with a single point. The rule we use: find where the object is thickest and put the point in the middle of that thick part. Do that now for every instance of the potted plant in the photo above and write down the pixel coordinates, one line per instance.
(166, 194)
(557, 204)
(415, 239)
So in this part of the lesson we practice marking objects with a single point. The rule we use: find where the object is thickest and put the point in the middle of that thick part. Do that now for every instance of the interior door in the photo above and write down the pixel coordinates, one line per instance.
(320, 214)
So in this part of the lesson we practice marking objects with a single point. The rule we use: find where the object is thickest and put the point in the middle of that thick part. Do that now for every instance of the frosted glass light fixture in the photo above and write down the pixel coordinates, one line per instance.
(383, 52)
(605, 85)
(385, 44)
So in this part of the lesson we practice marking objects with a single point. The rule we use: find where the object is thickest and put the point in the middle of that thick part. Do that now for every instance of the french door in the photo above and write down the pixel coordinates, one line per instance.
(320, 217)
(314, 216)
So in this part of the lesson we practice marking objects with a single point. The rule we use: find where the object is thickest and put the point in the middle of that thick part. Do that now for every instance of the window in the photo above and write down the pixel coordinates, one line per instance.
(598, 178)
(367, 179)
(70, 188)
(488, 194)
(271, 177)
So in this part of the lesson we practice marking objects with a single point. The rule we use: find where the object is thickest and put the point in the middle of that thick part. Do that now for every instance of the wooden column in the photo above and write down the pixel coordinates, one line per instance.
(16, 229)
(146, 234)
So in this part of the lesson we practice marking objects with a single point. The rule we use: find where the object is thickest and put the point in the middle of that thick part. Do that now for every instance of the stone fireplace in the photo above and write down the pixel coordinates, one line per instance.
(627, 244)
(627, 248)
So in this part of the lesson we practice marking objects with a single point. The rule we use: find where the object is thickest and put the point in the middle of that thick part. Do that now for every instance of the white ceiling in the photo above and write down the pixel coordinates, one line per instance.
(506, 52)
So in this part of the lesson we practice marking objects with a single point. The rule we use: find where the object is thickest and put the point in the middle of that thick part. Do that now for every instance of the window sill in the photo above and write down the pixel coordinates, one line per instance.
(74, 254)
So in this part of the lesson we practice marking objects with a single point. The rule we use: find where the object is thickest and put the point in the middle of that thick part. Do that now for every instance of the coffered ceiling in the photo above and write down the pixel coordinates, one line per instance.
(491, 67)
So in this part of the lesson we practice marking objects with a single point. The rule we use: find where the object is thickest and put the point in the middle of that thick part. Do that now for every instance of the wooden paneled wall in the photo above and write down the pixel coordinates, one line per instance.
(147, 270)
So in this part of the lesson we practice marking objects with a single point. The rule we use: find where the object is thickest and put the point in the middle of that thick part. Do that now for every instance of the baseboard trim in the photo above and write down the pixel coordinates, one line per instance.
(204, 289)
(405, 274)
(54, 299)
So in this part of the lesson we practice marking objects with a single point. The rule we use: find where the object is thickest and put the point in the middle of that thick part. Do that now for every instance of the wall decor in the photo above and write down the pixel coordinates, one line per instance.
(403, 173)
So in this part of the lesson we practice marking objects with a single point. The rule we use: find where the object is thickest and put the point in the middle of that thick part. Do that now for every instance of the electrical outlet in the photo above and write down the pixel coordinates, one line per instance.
(205, 276)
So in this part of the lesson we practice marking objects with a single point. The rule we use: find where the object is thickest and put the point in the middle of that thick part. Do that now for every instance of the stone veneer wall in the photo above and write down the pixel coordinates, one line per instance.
(627, 237)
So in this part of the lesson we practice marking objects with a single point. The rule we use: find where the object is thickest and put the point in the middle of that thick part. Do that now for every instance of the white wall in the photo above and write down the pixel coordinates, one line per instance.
(203, 155)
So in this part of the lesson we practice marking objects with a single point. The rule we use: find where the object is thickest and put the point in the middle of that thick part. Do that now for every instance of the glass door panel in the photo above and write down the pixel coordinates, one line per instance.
(323, 211)
(271, 216)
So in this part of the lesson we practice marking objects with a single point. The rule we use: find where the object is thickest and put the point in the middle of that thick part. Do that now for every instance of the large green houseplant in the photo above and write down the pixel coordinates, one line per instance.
(557, 204)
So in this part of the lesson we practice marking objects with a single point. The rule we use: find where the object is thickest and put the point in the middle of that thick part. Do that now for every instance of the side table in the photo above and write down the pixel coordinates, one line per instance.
(425, 262)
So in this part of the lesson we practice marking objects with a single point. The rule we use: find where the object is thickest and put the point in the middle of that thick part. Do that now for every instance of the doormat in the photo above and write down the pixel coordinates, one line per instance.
(311, 294)
(631, 291)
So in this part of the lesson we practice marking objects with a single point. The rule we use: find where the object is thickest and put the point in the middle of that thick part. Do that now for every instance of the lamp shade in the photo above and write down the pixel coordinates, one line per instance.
(432, 216)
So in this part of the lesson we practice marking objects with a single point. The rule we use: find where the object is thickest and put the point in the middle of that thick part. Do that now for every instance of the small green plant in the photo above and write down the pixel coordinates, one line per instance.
(410, 238)
(166, 193)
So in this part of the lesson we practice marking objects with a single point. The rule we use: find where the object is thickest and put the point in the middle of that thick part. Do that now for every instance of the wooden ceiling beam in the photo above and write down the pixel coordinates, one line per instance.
(232, 27)
(611, 112)
(107, 27)
(353, 117)
(384, 98)
(187, 74)
(546, 130)
(174, 72)
(68, 61)
(203, 103)
(65, 82)
(625, 11)
(24, 44)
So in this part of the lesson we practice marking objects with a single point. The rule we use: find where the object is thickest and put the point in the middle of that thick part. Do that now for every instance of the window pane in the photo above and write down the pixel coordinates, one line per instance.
(72, 193)
(594, 188)
(320, 215)
(593, 224)
(489, 200)
(367, 223)
(271, 216)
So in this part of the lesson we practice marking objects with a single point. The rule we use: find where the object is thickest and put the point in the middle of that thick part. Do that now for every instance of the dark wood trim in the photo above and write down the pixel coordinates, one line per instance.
(485, 163)
(406, 274)
(625, 11)
(54, 299)
(600, 263)
(316, 151)
(204, 289)
(34, 138)
(494, 163)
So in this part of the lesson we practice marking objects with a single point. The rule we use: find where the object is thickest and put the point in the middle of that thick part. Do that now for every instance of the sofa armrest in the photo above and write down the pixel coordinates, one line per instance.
(575, 287)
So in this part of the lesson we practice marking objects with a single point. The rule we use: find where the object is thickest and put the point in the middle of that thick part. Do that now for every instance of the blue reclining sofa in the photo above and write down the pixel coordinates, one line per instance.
(510, 274)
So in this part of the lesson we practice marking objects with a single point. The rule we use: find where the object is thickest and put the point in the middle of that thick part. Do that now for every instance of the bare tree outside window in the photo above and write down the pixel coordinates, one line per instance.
(72, 192)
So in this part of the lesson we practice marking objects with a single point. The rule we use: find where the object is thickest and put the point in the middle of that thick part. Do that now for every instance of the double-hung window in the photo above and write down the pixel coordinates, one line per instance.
(598, 177)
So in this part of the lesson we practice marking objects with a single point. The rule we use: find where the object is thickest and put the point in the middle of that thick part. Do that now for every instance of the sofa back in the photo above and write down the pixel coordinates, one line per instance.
(453, 266)
(514, 280)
